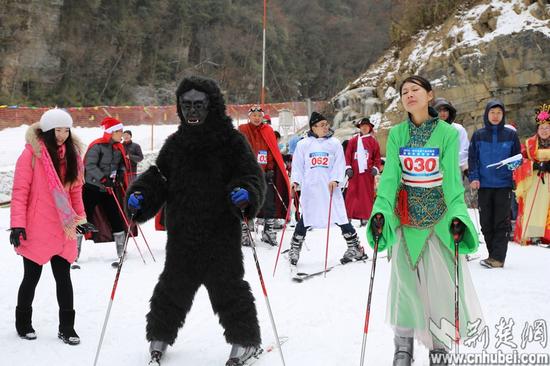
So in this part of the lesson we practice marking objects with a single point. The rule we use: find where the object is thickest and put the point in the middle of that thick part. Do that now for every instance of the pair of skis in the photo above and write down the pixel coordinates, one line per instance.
(303, 276)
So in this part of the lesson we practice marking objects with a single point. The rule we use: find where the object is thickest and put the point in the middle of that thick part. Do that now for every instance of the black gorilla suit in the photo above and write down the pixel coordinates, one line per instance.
(197, 168)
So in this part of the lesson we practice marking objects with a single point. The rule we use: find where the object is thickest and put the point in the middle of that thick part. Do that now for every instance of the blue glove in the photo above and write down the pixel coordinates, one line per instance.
(239, 197)
(134, 201)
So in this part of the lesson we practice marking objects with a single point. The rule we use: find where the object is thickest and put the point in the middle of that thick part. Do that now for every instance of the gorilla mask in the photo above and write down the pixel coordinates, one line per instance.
(194, 107)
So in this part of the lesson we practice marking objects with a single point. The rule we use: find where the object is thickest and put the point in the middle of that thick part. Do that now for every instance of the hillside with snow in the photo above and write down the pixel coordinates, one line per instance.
(496, 49)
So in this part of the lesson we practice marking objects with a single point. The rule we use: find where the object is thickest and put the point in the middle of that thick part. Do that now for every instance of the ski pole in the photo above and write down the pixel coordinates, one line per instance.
(113, 292)
(328, 230)
(112, 192)
(282, 236)
(532, 205)
(456, 239)
(377, 235)
(253, 245)
(279, 195)
(476, 213)
(145, 240)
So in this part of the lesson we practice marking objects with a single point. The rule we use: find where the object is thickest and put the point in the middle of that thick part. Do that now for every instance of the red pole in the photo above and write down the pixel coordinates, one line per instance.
(262, 93)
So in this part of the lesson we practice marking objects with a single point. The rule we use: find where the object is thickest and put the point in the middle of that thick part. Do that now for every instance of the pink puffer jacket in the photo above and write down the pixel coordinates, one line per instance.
(33, 208)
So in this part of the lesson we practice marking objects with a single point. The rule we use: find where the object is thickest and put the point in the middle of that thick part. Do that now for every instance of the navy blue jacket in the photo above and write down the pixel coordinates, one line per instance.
(489, 145)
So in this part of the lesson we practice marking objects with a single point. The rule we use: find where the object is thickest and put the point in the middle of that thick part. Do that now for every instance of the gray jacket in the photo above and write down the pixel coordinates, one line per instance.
(101, 161)
(134, 153)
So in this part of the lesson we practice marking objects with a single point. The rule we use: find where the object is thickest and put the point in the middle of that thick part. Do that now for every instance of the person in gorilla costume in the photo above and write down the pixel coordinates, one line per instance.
(208, 178)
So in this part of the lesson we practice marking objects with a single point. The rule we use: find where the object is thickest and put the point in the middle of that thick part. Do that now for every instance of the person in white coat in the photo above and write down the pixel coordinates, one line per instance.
(318, 167)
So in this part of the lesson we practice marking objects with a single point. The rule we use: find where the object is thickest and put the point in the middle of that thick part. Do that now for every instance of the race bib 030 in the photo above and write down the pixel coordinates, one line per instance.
(420, 166)
(262, 157)
(319, 160)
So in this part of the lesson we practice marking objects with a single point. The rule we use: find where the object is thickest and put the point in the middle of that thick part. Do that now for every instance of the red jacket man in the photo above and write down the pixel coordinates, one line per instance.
(262, 140)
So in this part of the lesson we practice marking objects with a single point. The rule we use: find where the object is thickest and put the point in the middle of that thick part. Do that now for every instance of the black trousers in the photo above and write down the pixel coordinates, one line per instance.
(92, 197)
(494, 215)
(268, 209)
(62, 274)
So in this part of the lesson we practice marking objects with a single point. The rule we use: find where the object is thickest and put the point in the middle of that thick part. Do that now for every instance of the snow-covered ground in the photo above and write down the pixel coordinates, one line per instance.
(322, 317)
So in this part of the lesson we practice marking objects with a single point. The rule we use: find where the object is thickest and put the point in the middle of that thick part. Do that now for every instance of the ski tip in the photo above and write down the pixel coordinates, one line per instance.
(75, 266)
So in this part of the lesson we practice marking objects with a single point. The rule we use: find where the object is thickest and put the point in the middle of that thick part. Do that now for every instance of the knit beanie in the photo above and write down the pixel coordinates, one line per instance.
(55, 118)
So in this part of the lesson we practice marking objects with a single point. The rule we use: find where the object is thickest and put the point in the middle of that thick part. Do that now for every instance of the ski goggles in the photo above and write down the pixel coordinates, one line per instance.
(255, 108)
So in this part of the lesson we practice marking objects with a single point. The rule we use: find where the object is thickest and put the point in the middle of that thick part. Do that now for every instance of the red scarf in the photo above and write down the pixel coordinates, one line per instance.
(106, 139)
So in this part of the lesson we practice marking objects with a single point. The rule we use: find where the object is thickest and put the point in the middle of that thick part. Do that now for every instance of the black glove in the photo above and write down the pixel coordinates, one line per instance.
(15, 235)
(349, 173)
(377, 224)
(269, 174)
(85, 228)
(374, 172)
(541, 166)
(107, 182)
(457, 229)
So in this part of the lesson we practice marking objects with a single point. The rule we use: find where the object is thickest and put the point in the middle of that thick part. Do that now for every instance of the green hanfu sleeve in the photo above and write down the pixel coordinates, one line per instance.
(453, 192)
(390, 181)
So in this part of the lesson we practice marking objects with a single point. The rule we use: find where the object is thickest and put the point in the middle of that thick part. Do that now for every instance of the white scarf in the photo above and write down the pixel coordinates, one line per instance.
(361, 156)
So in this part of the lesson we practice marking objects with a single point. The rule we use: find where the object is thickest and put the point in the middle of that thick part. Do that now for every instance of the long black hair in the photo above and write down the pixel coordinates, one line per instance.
(71, 155)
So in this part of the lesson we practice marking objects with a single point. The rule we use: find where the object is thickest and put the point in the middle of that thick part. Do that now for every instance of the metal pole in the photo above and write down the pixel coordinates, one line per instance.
(113, 292)
(264, 289)
(262, 94)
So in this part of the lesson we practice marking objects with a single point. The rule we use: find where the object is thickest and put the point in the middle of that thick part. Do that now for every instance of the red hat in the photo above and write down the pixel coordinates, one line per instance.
(111, 124)
(267, 117)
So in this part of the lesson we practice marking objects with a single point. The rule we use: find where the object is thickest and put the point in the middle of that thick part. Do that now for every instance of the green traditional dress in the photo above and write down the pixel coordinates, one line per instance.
(419, 193)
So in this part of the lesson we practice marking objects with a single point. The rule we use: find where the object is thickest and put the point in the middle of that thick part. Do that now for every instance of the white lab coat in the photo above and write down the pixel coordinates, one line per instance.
(315, 163)
(464, 145)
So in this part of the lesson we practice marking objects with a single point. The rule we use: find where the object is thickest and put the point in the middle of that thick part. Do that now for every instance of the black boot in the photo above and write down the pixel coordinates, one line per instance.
(23, 323)
(66, 327)
(403, 355)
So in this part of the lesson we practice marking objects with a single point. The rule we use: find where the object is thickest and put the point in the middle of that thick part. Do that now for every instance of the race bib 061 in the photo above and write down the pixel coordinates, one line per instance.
(262, 157)
(420, 166)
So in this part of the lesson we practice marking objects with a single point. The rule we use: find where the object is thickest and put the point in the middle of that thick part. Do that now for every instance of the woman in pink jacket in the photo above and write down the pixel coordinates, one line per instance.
(46, 214)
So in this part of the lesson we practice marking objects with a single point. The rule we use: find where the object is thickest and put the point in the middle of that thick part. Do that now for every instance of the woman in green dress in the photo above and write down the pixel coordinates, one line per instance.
(419, 196)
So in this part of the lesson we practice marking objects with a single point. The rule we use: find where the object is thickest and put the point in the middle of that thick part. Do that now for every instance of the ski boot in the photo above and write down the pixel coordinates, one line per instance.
(157, 350)
(240, 354)
(23, 323)
(119, 241)
(79, 238)
(355, 251)
(295, 248)
(403, 355)
(66, 328)
(268, 235)
(437, 357)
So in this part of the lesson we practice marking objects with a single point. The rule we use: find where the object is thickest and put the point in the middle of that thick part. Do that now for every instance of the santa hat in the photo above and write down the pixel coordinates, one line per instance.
(267, 118)
(316, 117)
(111, 124)
(55, 118)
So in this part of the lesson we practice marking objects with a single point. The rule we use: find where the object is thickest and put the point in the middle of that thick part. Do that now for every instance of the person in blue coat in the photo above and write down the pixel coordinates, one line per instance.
(492, 144)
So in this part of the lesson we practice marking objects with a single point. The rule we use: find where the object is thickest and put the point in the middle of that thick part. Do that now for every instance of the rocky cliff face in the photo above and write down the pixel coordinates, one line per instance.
(497, 49)
(27, 31)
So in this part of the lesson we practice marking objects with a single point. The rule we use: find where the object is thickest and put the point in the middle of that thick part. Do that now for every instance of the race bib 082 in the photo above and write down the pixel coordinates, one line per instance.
(420, 166)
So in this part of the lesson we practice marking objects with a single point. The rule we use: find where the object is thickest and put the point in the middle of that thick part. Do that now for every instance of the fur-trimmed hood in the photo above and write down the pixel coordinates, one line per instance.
(31, 138)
